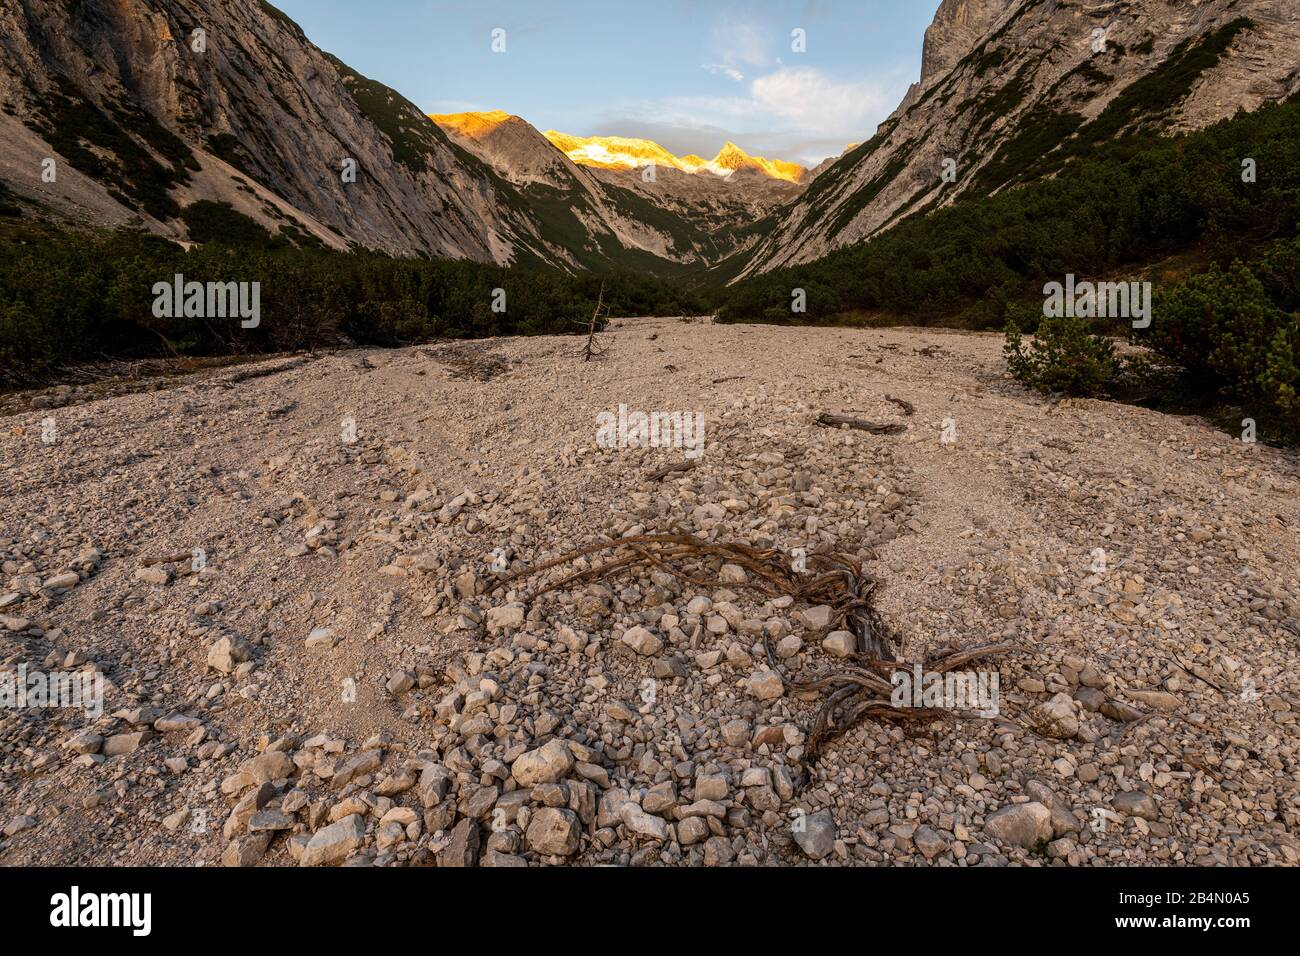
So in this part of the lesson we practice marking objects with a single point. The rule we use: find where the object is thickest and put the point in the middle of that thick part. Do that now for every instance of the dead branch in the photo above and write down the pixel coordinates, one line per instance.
(165, 559)
(907, 407)
(593, 347)
(832, 420)
(667, 470)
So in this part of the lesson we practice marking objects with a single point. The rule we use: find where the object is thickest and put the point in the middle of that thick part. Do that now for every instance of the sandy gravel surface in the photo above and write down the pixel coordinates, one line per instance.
(343, 680)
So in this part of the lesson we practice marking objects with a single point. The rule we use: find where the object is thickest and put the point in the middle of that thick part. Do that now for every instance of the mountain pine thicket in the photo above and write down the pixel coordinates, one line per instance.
(77, 296)
(1222, 253)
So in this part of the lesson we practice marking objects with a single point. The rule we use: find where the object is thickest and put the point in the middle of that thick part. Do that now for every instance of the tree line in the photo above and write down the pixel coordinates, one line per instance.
(77, 296)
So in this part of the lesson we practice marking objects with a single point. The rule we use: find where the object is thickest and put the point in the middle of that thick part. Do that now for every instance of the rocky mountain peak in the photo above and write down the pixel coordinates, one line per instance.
(1014, 89)
(958, 26)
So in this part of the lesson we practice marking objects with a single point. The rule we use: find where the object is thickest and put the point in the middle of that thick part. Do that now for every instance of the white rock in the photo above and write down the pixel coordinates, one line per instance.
(549, 763)
(765, 685)
(333, 843)
(840, 644)
(1021, 824)
(322, 638)
(642, 641)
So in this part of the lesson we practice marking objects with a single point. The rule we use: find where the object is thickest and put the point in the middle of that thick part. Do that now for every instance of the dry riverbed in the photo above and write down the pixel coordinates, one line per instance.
(288, 585)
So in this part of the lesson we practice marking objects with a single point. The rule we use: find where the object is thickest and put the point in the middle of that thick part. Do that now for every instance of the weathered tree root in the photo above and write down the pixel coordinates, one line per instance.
(858, 689)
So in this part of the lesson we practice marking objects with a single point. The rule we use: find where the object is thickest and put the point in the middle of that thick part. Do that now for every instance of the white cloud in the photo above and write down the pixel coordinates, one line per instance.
(739, 40)
(793, 113)
(728, 71)
(817, 103)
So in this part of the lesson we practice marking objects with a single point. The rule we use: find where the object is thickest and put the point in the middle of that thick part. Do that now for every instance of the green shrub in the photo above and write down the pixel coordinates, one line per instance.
(219, 222)
(1232, 338)
(1280, 382)
(25, 344)
(1279, 270)
(1219, 326)
(1063, 356)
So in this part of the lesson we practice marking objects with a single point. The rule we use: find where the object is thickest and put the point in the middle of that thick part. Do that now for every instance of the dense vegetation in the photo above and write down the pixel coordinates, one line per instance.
(1126, 204)
(69, 297)
(1230, 335)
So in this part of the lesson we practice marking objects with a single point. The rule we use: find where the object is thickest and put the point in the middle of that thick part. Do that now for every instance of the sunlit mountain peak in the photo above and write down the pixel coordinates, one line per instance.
(621, 152)
(731, 157)
(473, 125)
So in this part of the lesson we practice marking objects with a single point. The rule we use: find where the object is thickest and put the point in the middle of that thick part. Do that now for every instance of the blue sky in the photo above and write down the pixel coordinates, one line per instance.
(690, 74)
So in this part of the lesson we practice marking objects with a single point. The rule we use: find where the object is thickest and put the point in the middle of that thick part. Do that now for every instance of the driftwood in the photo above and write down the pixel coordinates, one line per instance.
(857, 689)
(667, 470)
(262, 370)
(832, 420)
(166, 559)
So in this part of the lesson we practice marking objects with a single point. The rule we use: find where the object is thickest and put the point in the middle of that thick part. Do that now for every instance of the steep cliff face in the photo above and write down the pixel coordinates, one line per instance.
(957, 27)
(134, 101)
(149, 105)
(1012, 89)
(146, 106)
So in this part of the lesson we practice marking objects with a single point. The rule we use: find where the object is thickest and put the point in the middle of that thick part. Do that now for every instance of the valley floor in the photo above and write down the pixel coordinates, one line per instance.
(332, 683)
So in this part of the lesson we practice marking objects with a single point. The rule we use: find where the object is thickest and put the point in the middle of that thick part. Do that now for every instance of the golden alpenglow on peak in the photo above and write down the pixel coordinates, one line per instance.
(474, 125)
(620, 152)
(612, 152)
(732, 157)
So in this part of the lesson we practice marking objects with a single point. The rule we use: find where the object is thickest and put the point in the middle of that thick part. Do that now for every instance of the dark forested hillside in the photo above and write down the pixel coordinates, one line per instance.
(1123, 206)
(77, 296)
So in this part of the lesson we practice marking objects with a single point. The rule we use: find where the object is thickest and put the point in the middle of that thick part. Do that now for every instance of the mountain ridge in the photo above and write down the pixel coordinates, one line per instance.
(1026, 83)
(143, 124)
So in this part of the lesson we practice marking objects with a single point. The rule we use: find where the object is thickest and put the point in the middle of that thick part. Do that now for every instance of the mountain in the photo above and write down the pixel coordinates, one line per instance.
(618, 152)
(633, 198)
(1012, 89)
(149, 106)
(146, 119)
(143, 120)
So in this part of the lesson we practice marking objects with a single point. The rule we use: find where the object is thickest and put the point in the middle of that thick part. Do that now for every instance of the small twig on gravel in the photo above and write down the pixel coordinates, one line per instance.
(1188, 669)
(831, 420)
(667, 470)
(907, 407)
